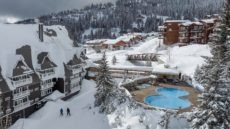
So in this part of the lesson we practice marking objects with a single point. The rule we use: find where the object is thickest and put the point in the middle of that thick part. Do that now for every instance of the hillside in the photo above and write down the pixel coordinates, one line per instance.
(109, 20)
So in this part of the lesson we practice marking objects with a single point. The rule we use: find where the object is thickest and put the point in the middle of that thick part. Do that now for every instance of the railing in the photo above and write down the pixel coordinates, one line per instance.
(75, 71)
(47, 86)
(75, 80)
(47, 75)
(22, 82)
(1, 113)
(21, 106)
(21, 94)
(8, 110)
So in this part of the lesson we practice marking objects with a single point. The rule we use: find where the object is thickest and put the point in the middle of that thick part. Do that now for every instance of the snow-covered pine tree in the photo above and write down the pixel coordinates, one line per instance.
(214, 111)
(226, 66)
(114, 60)
(105, 84)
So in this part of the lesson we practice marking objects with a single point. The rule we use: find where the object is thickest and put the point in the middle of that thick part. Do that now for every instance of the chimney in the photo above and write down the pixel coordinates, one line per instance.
(40, 32)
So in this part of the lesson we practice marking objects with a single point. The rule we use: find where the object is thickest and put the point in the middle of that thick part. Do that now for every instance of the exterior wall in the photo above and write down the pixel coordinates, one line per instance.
(192, 33)
(7, 103)
(174, 32)
(184, 34)
(171, 33)
(119, 45)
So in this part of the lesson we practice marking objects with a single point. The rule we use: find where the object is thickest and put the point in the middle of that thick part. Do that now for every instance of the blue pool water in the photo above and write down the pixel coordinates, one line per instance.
(169, 98)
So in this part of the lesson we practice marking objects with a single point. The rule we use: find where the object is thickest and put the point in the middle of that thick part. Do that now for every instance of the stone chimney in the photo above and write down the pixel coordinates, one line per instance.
(40, 32)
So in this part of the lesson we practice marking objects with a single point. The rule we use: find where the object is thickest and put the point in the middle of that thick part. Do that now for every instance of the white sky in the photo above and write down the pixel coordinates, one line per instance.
(14, 9)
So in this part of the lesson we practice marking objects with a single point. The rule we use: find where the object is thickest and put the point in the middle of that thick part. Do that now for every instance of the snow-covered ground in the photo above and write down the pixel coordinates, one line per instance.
(86, 116)
(82, 117)
(184, 59)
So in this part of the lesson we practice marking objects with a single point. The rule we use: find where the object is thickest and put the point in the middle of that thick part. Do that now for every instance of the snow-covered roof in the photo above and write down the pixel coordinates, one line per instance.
(111, 41)
(176, 21)
(168, 71)
(13, 36)
(190, 23)
(208, 20)
(96, 41)
(55, 96)
(125, 38)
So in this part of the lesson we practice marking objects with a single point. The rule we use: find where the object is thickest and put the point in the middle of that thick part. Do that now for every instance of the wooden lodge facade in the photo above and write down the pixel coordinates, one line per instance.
(185, 31)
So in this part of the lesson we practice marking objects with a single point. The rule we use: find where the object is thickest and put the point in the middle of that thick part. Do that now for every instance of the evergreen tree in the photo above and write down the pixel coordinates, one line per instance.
(114, 60)
(105, 85)
(226, 65)
(214, 111)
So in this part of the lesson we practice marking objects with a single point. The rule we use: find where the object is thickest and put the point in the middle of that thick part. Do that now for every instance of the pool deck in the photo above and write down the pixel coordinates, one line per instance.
(139, 95)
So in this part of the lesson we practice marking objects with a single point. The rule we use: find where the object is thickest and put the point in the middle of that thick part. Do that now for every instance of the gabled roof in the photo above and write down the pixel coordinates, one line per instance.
(41, 57)
(75, 61)
(3, 85)
(21, 68)
(44, 61)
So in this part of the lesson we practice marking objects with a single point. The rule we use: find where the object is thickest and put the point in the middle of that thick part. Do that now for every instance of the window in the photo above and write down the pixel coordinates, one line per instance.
(20, 102)
(46, 82)
(46, 92)
(36, 99)
(195, 27)
(21, 89)
(36, 89)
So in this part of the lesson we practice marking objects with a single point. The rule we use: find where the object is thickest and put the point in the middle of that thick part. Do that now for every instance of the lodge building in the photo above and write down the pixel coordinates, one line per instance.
(30, 74)
(185, 31)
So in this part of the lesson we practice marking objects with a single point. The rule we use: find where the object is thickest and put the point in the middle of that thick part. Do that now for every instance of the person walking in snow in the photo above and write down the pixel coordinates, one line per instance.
(68, 112)
(61, 112)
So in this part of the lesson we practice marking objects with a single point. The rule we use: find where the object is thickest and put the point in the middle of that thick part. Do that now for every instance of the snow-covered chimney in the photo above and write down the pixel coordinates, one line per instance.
(40, 32)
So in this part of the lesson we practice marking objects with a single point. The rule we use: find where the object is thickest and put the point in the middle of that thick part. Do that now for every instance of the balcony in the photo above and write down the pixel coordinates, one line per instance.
(196, 31)
(1, 113)
(21, 94)
(47, 86)
(22, 82)
(49, 75)
(183, 31)
(8, 110)
(76, 71)
(75, 89)
(75, 80)
(21, 106)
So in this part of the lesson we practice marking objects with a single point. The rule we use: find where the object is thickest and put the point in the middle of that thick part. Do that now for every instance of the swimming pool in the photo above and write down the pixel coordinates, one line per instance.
(169, 98)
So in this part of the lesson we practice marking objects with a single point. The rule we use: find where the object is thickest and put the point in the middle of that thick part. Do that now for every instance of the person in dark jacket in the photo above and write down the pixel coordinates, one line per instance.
(68, 112)
(61, 112)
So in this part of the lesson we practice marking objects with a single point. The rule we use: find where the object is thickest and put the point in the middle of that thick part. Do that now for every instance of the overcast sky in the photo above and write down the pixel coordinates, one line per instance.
(13, 9)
